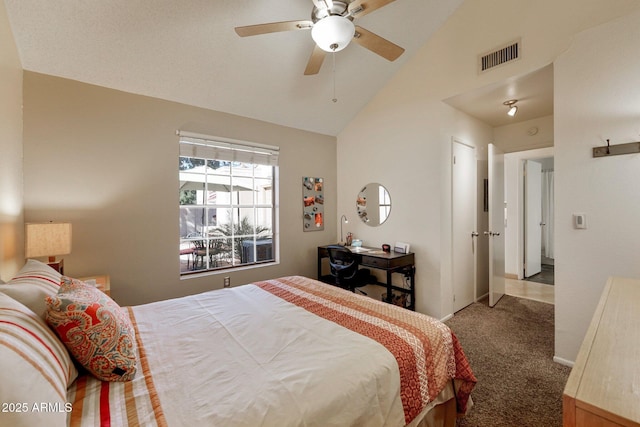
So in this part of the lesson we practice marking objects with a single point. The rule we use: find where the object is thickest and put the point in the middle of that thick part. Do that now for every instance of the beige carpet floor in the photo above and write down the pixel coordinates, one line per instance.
(510, 349)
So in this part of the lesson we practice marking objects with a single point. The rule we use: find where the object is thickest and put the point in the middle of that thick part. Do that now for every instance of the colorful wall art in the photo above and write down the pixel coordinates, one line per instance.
(312, 204)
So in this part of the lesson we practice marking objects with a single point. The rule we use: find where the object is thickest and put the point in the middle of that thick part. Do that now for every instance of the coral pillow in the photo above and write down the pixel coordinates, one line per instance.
(96, 331)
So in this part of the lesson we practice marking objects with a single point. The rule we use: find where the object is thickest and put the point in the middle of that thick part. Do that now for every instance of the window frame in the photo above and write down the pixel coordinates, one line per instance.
(234, 156)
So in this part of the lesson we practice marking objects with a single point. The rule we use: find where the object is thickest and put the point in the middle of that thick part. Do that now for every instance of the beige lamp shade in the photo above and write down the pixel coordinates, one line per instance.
(47, 239)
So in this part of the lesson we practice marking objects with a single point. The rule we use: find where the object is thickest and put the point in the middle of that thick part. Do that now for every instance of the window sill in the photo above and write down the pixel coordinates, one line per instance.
(226, 271)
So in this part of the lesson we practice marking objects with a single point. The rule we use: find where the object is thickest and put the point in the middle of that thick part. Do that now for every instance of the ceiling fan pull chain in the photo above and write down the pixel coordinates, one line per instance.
(334, 77)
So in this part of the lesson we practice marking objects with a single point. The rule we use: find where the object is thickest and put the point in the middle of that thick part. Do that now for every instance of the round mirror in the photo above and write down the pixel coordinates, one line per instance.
(373, 204)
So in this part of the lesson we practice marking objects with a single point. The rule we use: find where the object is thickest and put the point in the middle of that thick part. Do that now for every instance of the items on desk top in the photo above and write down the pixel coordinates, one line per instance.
(401, 248)
(356, 243)
(386, 248)
(349, 239)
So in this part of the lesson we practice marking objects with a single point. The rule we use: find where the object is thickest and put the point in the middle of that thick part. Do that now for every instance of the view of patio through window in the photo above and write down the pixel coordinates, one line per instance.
(227, 213)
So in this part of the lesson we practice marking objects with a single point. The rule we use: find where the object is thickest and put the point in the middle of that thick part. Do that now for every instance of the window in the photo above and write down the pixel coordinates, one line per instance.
(227, 203)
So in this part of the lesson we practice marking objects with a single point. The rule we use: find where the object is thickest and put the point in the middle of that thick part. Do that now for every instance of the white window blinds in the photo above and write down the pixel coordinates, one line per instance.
(208, 147)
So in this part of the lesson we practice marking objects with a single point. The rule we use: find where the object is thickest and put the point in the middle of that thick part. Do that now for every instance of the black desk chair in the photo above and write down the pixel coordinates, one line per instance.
(344, 269)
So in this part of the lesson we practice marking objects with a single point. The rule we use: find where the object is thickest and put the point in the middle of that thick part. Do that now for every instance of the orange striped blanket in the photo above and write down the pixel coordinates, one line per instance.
(265, 361)
(427, 351)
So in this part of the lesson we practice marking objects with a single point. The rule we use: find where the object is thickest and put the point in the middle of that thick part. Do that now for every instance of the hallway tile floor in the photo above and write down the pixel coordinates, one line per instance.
(545, 276)
(530, 290)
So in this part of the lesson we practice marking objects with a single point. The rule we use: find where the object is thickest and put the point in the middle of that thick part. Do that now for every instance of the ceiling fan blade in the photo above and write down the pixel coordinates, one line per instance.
(273, 27)
(358, 8)
(315, 61)
(377, 44)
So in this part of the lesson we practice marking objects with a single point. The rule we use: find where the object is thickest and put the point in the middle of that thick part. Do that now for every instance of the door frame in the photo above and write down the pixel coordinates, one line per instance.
(515, 206)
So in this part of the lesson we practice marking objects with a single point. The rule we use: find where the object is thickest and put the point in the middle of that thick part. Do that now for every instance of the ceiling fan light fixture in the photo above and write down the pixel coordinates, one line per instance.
(513, 109)
(333, 33)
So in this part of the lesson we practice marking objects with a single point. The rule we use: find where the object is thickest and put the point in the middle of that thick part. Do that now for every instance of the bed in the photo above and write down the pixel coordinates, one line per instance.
(285, 352)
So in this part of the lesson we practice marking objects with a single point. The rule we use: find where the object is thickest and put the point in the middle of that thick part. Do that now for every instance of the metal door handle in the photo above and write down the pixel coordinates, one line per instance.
(474, 234)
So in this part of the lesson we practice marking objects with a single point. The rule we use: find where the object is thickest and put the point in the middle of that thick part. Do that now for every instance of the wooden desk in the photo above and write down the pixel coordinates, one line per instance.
(390, 262)
(603, 387)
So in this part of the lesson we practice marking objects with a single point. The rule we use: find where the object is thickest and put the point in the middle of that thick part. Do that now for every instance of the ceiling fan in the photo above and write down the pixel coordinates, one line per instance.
(332, 29)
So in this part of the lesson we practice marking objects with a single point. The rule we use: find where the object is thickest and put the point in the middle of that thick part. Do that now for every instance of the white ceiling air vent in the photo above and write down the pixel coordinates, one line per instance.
(506, 53)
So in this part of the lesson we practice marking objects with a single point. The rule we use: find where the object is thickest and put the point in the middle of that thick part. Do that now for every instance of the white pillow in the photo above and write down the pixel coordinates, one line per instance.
(32, 284)
(35, 369)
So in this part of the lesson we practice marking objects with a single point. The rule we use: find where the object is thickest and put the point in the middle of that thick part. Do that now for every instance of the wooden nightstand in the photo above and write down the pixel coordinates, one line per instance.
(102, 282)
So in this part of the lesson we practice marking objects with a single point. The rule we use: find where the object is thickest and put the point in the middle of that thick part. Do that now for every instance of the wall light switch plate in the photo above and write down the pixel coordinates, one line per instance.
(579, 221)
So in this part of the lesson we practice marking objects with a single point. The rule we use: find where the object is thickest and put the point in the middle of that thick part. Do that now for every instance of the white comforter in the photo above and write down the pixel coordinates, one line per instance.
(246, 357)
(270, 364)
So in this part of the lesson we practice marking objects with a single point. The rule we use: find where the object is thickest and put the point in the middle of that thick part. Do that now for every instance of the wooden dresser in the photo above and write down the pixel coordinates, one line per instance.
(603, 388)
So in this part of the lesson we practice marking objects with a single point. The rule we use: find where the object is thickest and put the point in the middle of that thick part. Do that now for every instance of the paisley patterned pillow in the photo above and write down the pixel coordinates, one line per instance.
(95, 330)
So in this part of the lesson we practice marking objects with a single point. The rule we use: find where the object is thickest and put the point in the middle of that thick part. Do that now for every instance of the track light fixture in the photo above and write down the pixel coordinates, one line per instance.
(513, 109)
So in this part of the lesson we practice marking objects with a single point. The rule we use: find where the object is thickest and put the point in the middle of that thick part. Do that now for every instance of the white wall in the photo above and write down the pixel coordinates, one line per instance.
(406, 154)
(516, 137)
(108, 162)
(402, 138)
(11, 192)
(597, 97)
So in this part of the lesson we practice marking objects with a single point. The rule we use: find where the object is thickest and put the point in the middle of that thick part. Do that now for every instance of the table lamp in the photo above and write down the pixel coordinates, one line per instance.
(346, 221)
(48, 239)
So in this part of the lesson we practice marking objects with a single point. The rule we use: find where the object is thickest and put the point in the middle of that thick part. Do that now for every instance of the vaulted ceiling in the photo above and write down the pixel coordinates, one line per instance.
(188, 51)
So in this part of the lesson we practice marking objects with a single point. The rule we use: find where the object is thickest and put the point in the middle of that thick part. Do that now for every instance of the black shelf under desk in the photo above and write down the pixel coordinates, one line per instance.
(390, 262)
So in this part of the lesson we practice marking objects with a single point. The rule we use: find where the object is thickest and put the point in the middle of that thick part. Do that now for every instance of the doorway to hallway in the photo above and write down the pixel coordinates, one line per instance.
(530, 219)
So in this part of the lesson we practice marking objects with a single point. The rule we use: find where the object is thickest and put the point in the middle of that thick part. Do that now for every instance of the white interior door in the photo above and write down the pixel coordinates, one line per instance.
(496, 224)
(464, 207)
(532, 218)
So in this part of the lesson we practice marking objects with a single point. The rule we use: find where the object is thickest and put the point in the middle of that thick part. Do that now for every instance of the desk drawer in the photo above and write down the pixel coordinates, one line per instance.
(375, 262)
